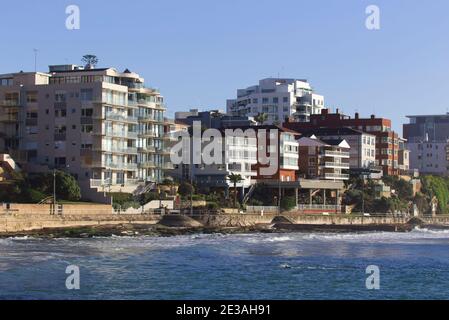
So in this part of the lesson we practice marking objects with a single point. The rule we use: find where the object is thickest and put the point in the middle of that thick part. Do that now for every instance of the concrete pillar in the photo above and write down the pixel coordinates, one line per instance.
(324, 196)
(297, 196)
(310, 197)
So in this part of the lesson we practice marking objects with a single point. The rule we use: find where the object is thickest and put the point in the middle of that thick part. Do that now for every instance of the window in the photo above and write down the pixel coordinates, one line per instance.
(87, 128)
(31, 96)
(60, 97)
(265, 100)
(275, 100)
(86, 95)
(87, 112)
(285, 99)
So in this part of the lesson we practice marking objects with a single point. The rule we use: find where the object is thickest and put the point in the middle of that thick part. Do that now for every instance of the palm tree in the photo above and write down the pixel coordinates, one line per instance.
(261, 118)
(235, 178)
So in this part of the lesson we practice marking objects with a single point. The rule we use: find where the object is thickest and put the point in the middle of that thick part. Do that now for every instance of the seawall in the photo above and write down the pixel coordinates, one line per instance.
(243, 220)
(19, 221)
(28, 222)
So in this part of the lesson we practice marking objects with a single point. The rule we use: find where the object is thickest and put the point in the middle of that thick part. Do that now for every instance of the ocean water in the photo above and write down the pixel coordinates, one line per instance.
(412, 265)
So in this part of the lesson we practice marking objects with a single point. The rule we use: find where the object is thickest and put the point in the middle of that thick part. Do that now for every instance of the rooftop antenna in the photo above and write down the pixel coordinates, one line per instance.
(35, 59)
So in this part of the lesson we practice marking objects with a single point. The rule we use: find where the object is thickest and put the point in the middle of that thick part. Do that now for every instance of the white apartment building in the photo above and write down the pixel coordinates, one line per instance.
(239, 154)
(429, 157)
(427, 139)
(103, 126)
(279, 98)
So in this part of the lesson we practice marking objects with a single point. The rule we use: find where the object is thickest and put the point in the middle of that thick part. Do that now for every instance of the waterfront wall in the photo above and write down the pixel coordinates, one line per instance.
(46, 209)
(235, 220)
(25, 222)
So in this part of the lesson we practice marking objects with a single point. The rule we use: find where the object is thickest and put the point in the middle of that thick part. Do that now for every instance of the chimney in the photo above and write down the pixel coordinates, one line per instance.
(337, 111)
(373, 116)
(324, 111)
(356, 115)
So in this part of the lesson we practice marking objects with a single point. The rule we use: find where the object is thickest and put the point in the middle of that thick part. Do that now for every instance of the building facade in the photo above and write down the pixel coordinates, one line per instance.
(428, 141)
(325, 159)
(215, 119)
(102, 126)
(362, 145)
(387, 141)
(279, 98)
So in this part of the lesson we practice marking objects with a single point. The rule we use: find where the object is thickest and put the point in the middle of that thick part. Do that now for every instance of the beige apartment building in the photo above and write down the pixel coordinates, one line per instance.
(103, 126)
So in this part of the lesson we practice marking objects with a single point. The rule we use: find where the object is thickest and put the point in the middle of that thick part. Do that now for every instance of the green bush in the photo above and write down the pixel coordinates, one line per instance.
(213, 206)
(288, 203)
(185, 189)
(434, 186)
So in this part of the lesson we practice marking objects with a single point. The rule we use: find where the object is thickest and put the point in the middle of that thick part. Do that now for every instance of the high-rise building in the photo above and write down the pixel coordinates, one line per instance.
(279, 98)
(103, 126)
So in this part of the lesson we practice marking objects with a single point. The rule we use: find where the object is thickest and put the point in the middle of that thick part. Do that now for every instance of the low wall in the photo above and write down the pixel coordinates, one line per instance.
(46, 209)
(236, 220)
(24, 222)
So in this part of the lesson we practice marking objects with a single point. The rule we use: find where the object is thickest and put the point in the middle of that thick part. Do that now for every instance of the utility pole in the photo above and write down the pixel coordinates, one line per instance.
(54, 191)
(191, 190)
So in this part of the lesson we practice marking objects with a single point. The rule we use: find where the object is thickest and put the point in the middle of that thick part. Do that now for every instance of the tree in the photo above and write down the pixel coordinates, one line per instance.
(67, 187)
(261, 118)
(185, 189)
(90, 60)
(288, 203)
(234, 179)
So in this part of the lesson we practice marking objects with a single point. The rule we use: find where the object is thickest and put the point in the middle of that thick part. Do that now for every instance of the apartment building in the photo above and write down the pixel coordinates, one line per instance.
(279, 98)
(215, 119)
(387, 141)
(324, 159)
(362, 154)
(428, 141)
(238, 155)
(103, 126)
(285, 150)
(403, 157)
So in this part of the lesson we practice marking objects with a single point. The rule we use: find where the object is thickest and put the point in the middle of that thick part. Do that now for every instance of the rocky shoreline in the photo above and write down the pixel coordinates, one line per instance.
(159, 230)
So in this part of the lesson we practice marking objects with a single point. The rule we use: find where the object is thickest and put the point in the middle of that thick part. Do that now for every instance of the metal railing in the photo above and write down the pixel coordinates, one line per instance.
(336, 164)
(336, 176)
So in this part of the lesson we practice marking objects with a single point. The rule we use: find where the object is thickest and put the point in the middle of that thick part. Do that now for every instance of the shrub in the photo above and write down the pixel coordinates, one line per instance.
(288, 203)
(185, 189)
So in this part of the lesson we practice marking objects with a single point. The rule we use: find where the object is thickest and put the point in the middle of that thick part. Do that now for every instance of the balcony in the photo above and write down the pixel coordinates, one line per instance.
(335, 165)
(10, 103)
(11, 118)
(97, 183)
(168, 166)
(336, 176)
(147, 149)
(117, 150)
(170, 137)
(164, 151)
(149, 119)
(119, 118)
(147, 165)
(328, 153)
(148, 135)
(115, 166)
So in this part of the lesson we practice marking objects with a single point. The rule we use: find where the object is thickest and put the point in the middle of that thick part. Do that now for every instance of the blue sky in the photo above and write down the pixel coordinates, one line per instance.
(199, 52)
